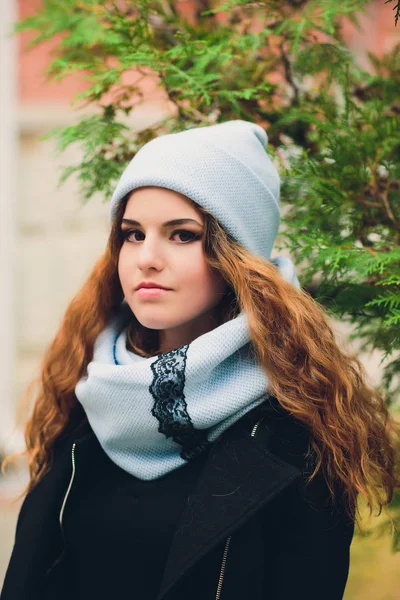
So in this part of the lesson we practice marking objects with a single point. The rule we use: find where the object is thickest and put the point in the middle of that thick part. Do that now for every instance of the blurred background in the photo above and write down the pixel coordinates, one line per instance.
(49, 240)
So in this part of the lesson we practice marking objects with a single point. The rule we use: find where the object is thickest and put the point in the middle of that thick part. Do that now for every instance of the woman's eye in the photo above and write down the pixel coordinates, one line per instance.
(127, 233)
(191, 234)
(183, 232)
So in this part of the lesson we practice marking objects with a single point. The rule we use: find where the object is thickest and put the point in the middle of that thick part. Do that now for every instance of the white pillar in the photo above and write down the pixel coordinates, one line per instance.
(8, 199)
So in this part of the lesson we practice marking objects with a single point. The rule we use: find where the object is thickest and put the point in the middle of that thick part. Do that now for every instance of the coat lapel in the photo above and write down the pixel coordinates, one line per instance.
(239, 478)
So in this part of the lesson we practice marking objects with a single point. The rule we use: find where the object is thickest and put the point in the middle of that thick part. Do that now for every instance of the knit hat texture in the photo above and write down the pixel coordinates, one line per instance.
(224, 168)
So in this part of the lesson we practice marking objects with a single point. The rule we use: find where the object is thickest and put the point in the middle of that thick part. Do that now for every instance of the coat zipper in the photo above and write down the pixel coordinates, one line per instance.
(228, 541)
(68, 489)
(221, 575)
(57, 560)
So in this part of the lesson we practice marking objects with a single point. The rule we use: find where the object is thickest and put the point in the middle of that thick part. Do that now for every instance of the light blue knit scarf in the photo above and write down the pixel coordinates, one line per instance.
(152, 415)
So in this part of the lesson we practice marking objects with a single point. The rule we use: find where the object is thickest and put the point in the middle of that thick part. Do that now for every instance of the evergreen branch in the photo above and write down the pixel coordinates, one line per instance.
(396, 7)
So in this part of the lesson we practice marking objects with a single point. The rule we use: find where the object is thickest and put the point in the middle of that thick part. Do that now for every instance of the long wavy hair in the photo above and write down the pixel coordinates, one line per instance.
(354, 437)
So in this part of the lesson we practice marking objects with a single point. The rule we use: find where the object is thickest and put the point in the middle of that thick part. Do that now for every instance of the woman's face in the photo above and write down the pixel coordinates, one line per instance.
(172, 256)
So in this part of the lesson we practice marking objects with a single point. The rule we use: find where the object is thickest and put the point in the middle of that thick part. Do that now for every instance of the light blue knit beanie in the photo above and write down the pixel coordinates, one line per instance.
(224, 168)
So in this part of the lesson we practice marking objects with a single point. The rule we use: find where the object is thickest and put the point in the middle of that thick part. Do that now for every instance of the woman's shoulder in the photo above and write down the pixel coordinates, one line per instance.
(77, 428)
(286, 437)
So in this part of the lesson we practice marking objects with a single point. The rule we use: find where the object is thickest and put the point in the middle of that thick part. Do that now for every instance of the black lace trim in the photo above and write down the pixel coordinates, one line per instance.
(170, 407)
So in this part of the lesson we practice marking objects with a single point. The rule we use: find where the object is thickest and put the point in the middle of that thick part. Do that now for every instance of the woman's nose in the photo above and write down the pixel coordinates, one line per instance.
(149, 254)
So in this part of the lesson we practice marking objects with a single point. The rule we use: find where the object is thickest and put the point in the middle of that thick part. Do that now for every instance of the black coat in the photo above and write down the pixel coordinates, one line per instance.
(251, 529)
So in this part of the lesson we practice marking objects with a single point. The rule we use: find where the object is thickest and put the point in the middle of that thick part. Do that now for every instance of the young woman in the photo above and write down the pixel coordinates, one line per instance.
(198, 434)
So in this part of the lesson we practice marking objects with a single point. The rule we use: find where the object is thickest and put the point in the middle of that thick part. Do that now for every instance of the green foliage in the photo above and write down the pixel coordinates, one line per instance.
(333, 126)
(343, 188)
(104, 146)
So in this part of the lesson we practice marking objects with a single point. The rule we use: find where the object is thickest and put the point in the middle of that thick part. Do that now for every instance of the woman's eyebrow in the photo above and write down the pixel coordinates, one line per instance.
(166, 224)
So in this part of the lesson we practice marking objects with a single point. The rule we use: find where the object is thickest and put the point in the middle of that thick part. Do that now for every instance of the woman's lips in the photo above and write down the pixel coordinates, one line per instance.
(151, 292)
